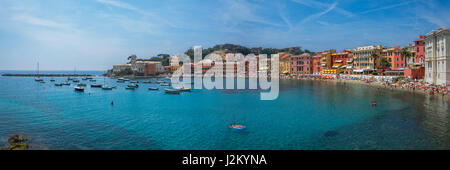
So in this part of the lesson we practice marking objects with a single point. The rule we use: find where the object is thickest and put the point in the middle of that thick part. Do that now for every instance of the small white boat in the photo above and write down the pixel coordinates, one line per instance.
(38, 79)
(80, 89)
(58, 84)
(165, 84)
(107, 87)
(133, 85)
(153, 88)
(130, 88)
(66, 83)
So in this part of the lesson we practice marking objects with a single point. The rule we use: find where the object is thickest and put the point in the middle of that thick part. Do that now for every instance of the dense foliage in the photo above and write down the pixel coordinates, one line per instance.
(245, 50)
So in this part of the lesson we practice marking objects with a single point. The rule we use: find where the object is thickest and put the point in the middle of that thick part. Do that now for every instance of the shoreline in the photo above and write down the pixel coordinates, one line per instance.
(381, 86)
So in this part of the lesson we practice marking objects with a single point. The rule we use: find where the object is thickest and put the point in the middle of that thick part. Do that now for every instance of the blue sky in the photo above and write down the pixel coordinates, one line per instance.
(95, 34)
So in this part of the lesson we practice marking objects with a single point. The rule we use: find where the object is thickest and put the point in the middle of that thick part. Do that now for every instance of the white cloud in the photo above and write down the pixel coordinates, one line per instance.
(147, 13)
(317, 4)
(318, 15)
(387, 7)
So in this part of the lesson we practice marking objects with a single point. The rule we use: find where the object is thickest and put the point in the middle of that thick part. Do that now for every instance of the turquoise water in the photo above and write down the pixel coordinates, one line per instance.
(307, 115)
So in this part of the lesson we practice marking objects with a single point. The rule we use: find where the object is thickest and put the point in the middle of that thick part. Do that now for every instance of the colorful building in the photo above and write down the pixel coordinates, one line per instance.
(316, 63)
(302, 64)
(393, 55)
(363, 61)
(419, 45)
(285, 63)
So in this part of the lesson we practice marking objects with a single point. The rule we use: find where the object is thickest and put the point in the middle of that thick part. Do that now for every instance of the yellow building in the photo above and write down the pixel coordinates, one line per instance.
(285, 63)
(174, 64)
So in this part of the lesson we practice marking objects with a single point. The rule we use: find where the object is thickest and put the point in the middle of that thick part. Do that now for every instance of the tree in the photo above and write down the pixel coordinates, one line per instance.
(384, 63)
(376, 60)
(406, 54)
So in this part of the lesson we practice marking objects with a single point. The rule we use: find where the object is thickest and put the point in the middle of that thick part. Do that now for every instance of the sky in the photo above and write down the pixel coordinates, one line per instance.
(95, 34)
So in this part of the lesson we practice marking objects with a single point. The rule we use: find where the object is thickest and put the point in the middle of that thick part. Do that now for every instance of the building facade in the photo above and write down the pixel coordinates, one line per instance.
(419, 45)
(285, 63)
(302, 64)
(363, 61)
(437, 57)
(316, 63)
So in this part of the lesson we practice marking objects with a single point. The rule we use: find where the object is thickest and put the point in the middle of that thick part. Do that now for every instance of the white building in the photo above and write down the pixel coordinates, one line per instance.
(437, 57)
(121, 67)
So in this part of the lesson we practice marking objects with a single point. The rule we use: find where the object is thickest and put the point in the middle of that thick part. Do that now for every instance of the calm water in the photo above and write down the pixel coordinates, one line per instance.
(307, 115)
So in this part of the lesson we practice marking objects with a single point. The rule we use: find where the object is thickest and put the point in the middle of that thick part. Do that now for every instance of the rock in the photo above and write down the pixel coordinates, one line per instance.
(20, 146)
(16, 139)
(330, 133)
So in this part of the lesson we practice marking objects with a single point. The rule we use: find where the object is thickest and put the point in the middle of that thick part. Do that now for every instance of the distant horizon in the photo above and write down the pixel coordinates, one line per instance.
(96, 34)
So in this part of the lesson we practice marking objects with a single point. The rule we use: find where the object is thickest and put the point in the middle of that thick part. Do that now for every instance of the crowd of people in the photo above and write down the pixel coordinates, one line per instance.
(391, 82)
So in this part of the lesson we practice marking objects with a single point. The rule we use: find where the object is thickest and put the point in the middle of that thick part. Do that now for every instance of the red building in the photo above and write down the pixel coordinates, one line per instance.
(419, 45)
(415, 73)
(302, 64)
(393, 55)
(316, 63)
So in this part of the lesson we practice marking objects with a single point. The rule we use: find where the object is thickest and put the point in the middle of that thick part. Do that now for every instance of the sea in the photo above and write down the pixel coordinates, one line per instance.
(307, 115)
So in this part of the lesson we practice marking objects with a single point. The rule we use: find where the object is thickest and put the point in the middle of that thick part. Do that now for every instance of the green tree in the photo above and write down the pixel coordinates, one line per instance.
(406, 54)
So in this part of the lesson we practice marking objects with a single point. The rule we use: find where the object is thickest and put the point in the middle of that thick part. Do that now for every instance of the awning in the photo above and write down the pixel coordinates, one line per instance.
(338, 61)
(323, 64)
(358, 71)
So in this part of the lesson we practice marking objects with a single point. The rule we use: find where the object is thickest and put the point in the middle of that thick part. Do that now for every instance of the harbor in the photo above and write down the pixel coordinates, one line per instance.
(309, 114)
(46, 75)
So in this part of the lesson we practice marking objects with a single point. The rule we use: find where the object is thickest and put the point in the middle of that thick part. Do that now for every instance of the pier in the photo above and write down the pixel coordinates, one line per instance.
(47, 75)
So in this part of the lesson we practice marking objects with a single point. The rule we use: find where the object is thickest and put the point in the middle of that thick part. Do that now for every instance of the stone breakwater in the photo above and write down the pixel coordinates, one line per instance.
(47, 75)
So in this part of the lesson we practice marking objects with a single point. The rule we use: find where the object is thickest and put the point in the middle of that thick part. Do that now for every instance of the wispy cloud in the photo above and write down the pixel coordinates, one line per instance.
(322, 5)
(238, 11)
(317, 15)
(387, 7)
(130, 7)
(25, 18)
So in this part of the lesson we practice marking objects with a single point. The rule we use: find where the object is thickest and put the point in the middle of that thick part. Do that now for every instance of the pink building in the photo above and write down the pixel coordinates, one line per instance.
(302, 64)
(419, 45)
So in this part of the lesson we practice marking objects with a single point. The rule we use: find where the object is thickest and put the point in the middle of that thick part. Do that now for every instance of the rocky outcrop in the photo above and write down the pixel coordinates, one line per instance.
(16, 142)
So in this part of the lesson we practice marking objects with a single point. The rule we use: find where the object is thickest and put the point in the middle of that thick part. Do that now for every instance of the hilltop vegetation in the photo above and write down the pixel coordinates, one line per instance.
(231, 48)
(245, 50)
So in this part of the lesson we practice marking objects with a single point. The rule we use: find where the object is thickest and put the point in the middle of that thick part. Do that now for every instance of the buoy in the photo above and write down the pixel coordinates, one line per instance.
(112, 102)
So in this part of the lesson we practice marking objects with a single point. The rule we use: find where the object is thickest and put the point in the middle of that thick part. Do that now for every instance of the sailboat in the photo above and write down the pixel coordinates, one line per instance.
(105, 87)
(38, 78)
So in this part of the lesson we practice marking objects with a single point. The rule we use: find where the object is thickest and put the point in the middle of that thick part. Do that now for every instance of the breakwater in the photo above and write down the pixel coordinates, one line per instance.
(47, 75)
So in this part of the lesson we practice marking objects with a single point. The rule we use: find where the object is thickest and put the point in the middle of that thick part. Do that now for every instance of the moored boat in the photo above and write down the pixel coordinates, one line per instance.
(96, 85)
(81, 85)
(58, 84)
(130, 88)
(67, 83)
(80, 89)
(172, 91)
(133, 85)
(165, 84)
(107, 87)
(153, 88)
(52, 80)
